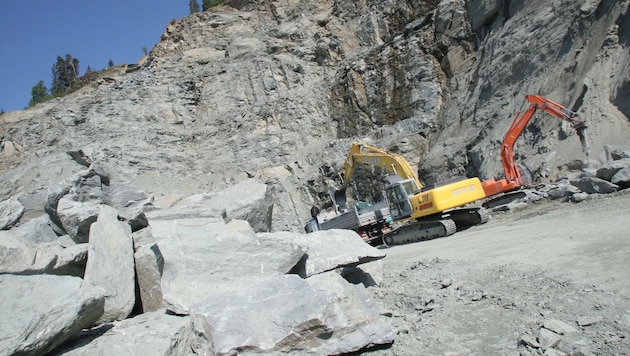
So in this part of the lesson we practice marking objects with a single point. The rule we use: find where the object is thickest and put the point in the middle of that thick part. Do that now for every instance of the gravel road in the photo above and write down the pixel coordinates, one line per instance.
(551, 277)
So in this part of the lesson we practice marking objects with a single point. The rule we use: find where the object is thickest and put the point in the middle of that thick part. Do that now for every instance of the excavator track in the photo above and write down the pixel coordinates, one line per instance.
(419, 231)
(465, 218)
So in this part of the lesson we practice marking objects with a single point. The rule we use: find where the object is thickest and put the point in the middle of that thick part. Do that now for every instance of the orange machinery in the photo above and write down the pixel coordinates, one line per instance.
(513, 178)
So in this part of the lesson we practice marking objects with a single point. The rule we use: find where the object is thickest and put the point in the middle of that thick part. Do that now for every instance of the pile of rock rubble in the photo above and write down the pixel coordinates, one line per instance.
(110, 270)
(575, 182)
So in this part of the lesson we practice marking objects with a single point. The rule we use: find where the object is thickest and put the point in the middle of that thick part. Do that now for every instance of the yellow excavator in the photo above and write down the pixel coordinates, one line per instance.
(419, 212)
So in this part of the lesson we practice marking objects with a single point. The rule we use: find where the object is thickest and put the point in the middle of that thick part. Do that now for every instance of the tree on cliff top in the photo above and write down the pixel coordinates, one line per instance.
(65, 74)
(207, 4)
(39, 94)
(193, 5)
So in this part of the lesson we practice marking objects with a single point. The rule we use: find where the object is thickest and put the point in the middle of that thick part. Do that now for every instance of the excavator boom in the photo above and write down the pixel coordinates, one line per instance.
(513, 179)
(395, 164)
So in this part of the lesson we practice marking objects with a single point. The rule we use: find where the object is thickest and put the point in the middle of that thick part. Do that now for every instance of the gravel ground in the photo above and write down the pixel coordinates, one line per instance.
(551, 278)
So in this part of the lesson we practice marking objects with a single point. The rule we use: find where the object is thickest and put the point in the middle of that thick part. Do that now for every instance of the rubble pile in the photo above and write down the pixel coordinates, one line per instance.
(574, 184)
(110, 269)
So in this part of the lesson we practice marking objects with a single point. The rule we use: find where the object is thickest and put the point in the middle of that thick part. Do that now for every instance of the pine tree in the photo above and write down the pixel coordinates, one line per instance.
(39, 94)
(65, 73)
(207, 4)
(110, 64)
(193, 5)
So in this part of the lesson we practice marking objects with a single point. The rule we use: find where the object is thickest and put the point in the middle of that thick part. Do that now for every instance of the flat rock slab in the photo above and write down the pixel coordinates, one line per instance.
(38, 313)
(286, 314)
(155, 333)
(328, 250)
(204, 257)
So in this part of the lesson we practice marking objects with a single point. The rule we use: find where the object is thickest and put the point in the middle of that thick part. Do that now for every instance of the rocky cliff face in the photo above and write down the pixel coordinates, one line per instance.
(275, 91)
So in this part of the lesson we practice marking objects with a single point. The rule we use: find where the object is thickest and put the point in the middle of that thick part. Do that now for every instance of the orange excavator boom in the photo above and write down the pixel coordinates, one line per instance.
(513, 179)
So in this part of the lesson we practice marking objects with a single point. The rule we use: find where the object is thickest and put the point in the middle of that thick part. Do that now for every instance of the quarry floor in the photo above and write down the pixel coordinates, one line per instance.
(485, 290)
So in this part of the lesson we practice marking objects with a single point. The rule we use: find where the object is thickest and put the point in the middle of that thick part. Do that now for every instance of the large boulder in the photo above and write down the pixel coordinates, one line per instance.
(608, 171)
(38, 230)
(358, 323)
(622, 178)
(149, 268)
(38, 313)
(110, 264)
(11, 211)
(204, 257)
(21, 257)
(247, 200)
(77, 216)
(74, 203)
(327, 250)
(287, 314)
(594, 185)
(155, 333)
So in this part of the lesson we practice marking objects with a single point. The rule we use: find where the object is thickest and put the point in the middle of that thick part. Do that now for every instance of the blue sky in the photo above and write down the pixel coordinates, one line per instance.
(34, 32)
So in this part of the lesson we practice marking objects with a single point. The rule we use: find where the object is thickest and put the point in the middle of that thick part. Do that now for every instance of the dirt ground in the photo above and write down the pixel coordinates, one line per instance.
(490, 289)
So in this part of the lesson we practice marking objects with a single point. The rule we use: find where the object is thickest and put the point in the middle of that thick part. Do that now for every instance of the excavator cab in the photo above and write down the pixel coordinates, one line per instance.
(399, 193)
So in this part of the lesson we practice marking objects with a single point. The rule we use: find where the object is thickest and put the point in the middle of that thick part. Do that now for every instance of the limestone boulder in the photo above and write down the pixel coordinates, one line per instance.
(327, 250)
(11, 210)
(110, 264)
(204, 257)
(357, 320)
(247, 200)
(622, 178)
(287, 314)
(154, 333)
(593, 185)
(74, 203)
(38, 313)
(76, 217)
(71, 260)
(38, 230)
(149, 264)
(21, 257)
(608, 171)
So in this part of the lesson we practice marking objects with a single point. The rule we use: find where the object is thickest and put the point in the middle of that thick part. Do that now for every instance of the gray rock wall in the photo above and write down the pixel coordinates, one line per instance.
(262, 91)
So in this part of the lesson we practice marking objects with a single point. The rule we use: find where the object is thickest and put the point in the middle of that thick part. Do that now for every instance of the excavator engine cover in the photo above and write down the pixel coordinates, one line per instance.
(447, 197)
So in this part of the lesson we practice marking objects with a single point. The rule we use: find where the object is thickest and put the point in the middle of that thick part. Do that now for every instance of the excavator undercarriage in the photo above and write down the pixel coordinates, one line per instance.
(435, 226)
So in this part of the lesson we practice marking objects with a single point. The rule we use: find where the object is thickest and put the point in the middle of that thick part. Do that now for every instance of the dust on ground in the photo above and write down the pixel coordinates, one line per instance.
(489, 290)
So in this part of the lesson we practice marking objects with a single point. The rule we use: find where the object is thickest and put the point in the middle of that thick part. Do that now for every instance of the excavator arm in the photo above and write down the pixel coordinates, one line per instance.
(513, 178)
(366, 154)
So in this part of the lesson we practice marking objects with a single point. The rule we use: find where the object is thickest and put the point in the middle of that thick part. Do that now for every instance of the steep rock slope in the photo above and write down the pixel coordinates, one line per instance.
(276, 90)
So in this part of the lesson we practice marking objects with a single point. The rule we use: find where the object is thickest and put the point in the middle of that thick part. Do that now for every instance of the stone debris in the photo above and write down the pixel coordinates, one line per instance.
(559, 327)
(547, 338)
(194, 259)
(252, 119)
